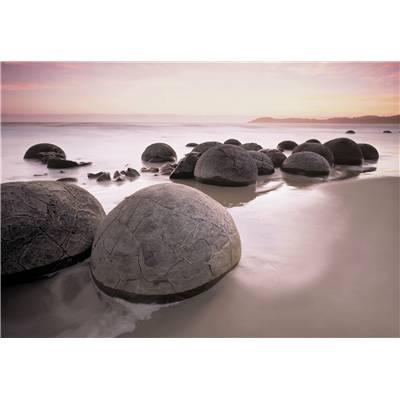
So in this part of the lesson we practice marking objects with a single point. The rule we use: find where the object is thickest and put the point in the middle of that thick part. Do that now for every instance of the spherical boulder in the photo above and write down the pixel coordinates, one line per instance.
(159, 152)
(38, 151)
(235, 142)
(345, 151)
(45, 226)
(264, 163)
(306, 163)
(350, 132)
(316, 148)
(226, 165)
(251, 146)
(368, 151)
(185, 167)
(312, 141)
(276, 156)
(202, 147)
(287, 145)
(164, 243)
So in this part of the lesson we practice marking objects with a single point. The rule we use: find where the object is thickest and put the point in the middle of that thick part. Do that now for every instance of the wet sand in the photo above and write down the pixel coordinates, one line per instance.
(318, 260)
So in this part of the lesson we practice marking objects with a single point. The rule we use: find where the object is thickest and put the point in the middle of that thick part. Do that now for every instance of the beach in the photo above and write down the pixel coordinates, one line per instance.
(320, 256)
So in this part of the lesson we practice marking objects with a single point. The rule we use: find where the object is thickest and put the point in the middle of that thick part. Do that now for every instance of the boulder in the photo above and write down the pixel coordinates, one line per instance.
(264, 163)
(56, 163)
(235, 142)
(251, 146)
(387, 131)
(166, 169)
(45, 157)
(350, 132)
(306, 163)
(67, 179)
(185, 167)
(226, 165)
(368, 151)
(159, 152)
(38, 151)
(145, 169)
(312, 141)
(345, 151)
(95, 175)
(104, 177)
(287, 145)
(191, 144)
(164, 243)
(202, 147)
(275, 155)
(45, 226)
(131, 173)
(316, 148)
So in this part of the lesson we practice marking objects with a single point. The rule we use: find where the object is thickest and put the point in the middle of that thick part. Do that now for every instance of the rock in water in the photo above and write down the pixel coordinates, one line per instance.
(251, 146)
(226, 165)
(312, 141)
(191, 144)
(164, 243)
(56, 163)
(159, 152)
(167, 169)
(264, 163)
(235, 142)
(306, 163)
(202, 147)
(131, 173)
(350, 132)
(345, 151)
(68, 179)
(368, 151)
(287, 145)
(104, 177)
(34, 151)
(316, 148)
(45, 226)
(275, 155)
(185, 167)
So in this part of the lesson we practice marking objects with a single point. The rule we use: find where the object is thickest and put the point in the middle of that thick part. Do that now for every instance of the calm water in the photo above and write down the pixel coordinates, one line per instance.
(318, 259)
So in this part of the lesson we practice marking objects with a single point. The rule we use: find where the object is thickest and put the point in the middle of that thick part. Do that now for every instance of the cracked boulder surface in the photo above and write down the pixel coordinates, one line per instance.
(306, 163)
(45, 226)
(226, 165)
(159, 152)
(164, 243)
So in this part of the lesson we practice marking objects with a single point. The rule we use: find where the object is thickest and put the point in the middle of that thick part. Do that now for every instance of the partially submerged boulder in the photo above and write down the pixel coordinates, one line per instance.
(251, 146)
(45, 226)
(167, 169)
(235, 142)
(350, 132)
(185, 167)
(202, 147)
(276, 156)
(316, 148)
(345, 151)
(191, 144)
(226, 165)
(287, 145)
(264, 163)
(159, 152)
(164, 243)
(312, 141)
(368, 151)
(57, 163)
(306, 163)
(38, 151)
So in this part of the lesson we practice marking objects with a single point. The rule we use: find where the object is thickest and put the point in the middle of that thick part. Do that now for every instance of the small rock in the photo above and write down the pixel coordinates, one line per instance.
(67, 180)
(277, 156)
(96, 175)
(84, 163)
(159, 152)
(145, 169)
(287, 145)
(185, 167)
(40, 174)
(191, 144)
(105, 176)
(131, 173)
(235, 142)
(350, 132)
(387, 131)
(116, 175)
(312, 141)
(167, 169)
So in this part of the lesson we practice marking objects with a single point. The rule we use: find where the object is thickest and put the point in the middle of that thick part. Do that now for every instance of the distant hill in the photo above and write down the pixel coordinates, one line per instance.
(367, 119)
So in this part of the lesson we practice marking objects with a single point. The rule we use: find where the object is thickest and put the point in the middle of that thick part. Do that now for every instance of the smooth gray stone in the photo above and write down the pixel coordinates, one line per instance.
(276, 156)
(251, 146)
(226, 165)
(345, 151)
(203, 147)
(287, 145)
(158, 152)
(368, 151)
(164, 243)
(264, 163)
(306, 163)
(45, 226)
(34, 151)
(316, 148)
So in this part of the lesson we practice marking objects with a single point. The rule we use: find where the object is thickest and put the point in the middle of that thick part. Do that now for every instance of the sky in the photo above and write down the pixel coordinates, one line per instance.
(315, 90)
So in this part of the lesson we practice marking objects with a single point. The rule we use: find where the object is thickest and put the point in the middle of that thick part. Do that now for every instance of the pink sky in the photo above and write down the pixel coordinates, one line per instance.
(235, 89)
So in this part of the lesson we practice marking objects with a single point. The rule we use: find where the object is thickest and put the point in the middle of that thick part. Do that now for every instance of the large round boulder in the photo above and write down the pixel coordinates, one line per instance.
(45, 226)
(164, 243)
(306, 163)
(287, 145)
(345, 151)
(368, 151)
(44, 150)
(235, 142)
(251, 146)
(276, 156)
(226, 165)
(264, 164)
(316, 148)
(159, 152)
(202, 147)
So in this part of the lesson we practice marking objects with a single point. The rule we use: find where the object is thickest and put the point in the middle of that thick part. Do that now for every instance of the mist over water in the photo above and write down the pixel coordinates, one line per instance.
(295, 232)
